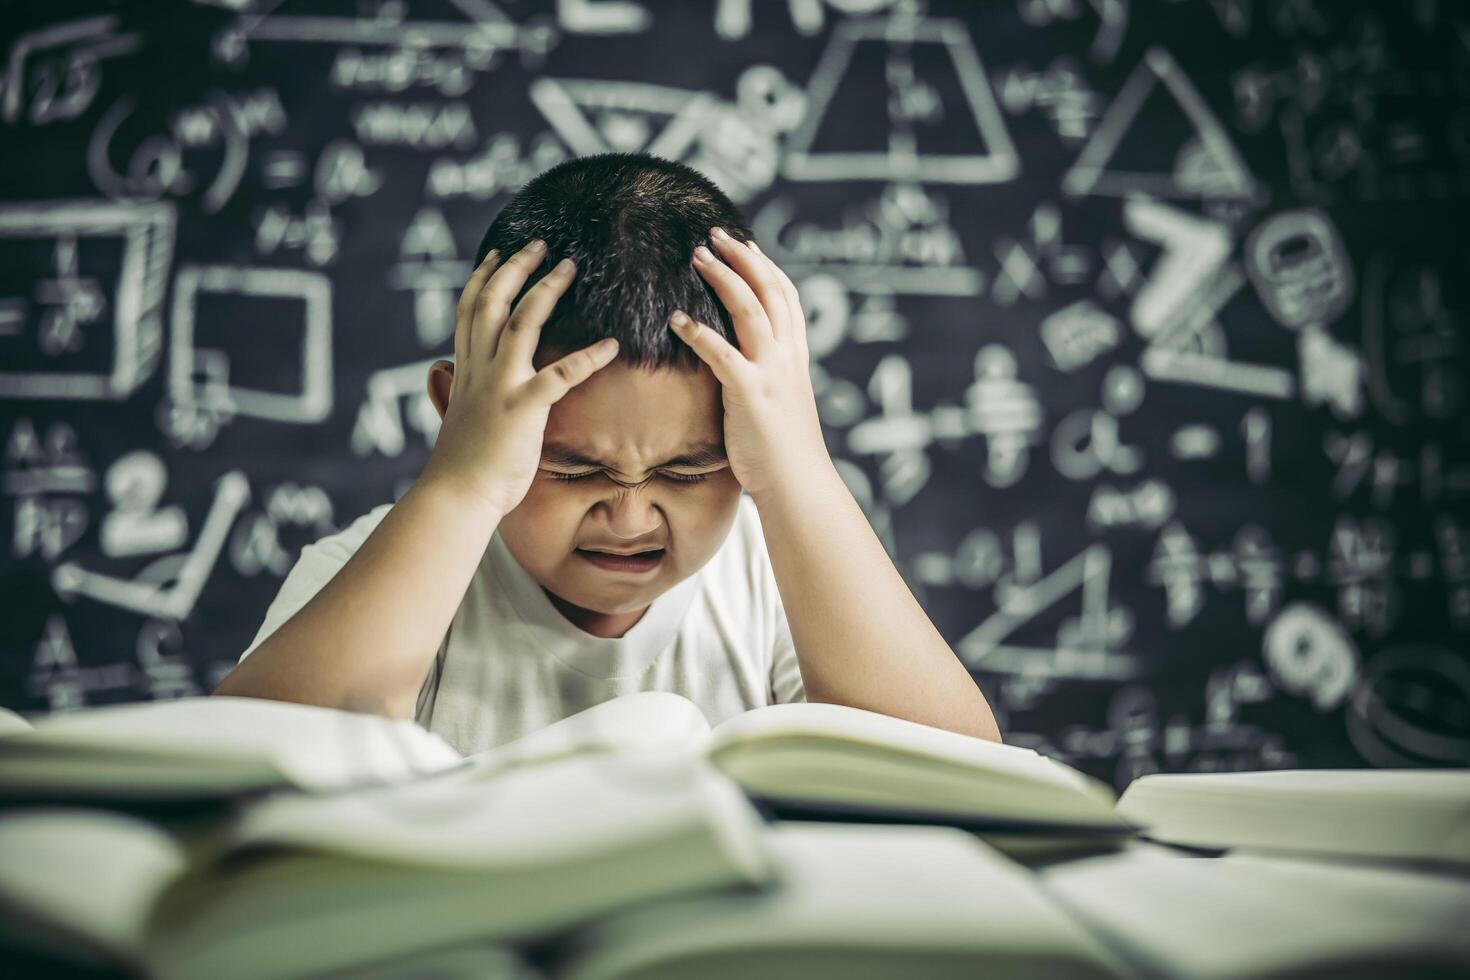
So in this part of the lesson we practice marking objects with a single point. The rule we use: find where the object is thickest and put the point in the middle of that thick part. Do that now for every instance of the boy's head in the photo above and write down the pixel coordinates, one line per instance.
(630, 222)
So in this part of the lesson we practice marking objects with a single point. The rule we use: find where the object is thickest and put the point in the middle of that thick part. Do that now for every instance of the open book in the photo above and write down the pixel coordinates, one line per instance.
(1256, 915)
(295, 884)
(821, 761)
(851, 901)
(210, 746)
(1392, 814)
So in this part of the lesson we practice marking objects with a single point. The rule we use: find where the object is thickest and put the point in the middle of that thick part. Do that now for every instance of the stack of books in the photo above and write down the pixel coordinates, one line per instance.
(243, 838)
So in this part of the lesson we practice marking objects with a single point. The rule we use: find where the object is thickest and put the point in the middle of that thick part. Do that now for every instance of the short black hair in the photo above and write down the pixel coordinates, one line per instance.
(630, 221)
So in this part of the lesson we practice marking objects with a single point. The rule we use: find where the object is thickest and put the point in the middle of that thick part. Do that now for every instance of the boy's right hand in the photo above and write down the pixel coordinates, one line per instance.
(489, 444)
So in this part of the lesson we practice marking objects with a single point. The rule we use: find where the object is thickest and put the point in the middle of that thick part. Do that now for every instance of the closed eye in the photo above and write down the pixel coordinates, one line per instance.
(676, 477)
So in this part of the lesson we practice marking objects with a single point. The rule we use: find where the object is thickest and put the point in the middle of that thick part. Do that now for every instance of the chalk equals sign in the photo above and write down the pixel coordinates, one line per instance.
(283, 168)
(12, 316)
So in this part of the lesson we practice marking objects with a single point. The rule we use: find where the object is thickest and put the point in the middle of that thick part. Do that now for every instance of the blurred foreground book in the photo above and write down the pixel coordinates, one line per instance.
(834, 762)
(297, 883)
(1255, 915)
(209, 747)
(1391, 814)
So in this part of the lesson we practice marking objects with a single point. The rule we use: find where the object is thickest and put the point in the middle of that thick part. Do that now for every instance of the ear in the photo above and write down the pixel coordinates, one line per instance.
(441, 380)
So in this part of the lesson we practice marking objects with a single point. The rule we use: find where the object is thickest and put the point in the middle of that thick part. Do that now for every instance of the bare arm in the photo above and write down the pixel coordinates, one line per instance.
(364, 642)
(861, 637)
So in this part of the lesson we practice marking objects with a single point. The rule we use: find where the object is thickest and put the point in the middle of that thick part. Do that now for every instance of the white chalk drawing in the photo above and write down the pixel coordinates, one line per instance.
(316, 232)
(1253, 564)
(897, 433)
(1112, 18)
(255, 544)
(429, 266)
(1178, 566)
(342, 173)
(168, 587)
(914, 108)
(46, 475)
(1089, 441)
(1060, 91)
(1413, 339)
(1299, 266)
(1078, 334)
(478, 28)
(1148, 505)
(1309, 653)
(199, 381)
(1086, 646)
(734, 146)
(1360, 563)
(1006, 411)
(213, 136)
(1452, 547)
(54, 74)
(1175, 309)
(1027, 268)
(74, 298)
(166, 668)
(423, 126)
(57, 675)
(1410, 708)
(1195, 251)
(379, 427)
(1206, 165)
(1231, 686)
(1301, 272)
(499, 167)
(136, 524)
(904, 242)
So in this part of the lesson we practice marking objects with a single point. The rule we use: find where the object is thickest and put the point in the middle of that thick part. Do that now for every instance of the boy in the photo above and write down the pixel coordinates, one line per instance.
(640, 513)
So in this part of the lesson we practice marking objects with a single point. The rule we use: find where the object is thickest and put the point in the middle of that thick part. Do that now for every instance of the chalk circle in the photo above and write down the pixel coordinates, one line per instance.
(1411, 708)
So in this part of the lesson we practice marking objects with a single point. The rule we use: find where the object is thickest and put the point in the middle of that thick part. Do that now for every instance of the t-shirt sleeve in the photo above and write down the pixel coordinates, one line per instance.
(786, 682)
(314, 568)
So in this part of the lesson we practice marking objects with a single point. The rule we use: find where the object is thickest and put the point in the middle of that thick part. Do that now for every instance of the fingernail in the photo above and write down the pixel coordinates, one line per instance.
(564, 267)
(536, 245)
(754, 246)
(490, 255)
(719, 233)
(703, 254)
(678, 318)
(608, 343)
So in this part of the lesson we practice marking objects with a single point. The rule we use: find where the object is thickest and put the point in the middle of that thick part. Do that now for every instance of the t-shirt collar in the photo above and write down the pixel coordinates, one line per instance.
(597, 656)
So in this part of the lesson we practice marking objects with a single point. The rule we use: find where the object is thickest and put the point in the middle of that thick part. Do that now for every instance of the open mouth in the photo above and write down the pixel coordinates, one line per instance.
(641, 562)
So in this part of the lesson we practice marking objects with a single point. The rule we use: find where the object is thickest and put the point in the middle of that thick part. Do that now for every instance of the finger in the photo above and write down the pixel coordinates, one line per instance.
(752, 324)
(518, 340)
(464, 310)
(559, 377)
(796, 317)
(756, 275)
(493, 303)
(728, 364)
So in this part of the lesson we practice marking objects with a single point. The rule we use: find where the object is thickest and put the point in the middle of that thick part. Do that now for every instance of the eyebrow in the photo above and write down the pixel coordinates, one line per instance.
(561, 454)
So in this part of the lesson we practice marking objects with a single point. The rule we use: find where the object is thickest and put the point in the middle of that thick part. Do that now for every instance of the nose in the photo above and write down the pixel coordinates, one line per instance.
(631, 514)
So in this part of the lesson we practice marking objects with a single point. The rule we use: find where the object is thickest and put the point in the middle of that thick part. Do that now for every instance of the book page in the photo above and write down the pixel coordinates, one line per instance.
(314, 747)
(93, 873)
(645, 719)
(885, 732)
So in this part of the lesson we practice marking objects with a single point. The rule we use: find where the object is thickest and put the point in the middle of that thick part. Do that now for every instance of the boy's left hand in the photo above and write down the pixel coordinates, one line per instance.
(772, 429)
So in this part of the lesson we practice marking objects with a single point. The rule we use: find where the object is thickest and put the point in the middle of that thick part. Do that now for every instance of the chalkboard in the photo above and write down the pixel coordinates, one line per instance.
(1136, 327)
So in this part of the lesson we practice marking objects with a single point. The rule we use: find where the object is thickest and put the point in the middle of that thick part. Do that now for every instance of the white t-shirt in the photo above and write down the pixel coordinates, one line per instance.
(511, 663)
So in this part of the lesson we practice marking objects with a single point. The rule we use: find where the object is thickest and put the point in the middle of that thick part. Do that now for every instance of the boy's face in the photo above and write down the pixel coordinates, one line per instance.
(633, 422)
